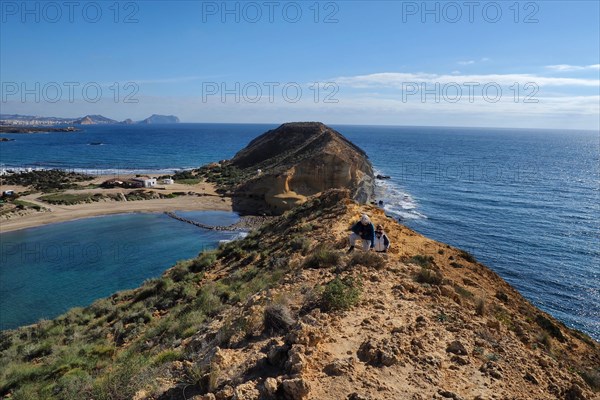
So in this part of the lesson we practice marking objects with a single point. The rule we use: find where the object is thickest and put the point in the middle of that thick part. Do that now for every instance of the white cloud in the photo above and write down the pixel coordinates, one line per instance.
(400, 79)
(568, 68)
(471, 62)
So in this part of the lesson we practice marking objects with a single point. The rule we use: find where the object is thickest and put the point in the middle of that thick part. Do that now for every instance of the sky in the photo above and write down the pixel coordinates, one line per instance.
(527, 64)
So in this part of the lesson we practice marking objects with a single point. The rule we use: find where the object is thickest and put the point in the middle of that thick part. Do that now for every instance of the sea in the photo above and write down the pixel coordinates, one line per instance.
(524, 202)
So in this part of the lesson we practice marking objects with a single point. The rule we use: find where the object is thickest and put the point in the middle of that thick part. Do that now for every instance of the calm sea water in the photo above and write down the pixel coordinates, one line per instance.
(524, 202)
(49, 269)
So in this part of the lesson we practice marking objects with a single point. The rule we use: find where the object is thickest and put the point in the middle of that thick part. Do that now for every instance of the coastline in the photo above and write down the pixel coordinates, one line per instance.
(206, 200)
(82, 211)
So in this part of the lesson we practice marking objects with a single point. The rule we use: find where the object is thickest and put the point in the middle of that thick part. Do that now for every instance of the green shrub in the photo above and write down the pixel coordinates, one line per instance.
(6, 340)
(462, 291)
(232, 250)
(301, 244)
(305, 228)
(421, 260)
(37, 351)
(341, 294)
(103, 350)
(467, 256)
(75, 384)
(277, 318)
(544, 339)
(592, 378)
(69, 199)
(205, 377)
(203, 261)
(368, 259)
(18, 373)
(123, 381)
(102, 307)
(180, 271)
(47, 180)
(429, 276)
(480, 307)
(322, 257)
(166, 356)
(550, 327)
(190, 181)
(208, 301)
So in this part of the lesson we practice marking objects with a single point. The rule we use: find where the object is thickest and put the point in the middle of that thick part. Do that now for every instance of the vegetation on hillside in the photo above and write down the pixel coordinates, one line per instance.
(114, 348)
(247, 317)
(46, 180)
(225, 176)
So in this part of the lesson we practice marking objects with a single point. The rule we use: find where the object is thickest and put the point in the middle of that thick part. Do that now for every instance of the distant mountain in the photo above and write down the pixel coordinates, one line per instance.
(160, 119)
(94, 120)
(32, 120)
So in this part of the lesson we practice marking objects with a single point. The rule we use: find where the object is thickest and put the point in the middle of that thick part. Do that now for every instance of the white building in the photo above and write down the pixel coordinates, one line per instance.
(145, 181)
(168, 181)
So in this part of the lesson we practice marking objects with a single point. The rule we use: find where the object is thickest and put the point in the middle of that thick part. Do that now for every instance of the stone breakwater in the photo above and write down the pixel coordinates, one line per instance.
(246, 223)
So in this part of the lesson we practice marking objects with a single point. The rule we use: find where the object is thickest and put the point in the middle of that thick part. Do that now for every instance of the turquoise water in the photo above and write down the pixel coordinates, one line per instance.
(49, 269)
(524, 202)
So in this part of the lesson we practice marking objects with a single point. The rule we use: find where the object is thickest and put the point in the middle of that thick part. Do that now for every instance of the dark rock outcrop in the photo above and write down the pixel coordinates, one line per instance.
(297, 160)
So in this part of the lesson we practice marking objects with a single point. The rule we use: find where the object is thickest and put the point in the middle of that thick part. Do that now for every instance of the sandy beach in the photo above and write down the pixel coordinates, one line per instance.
(204, 198)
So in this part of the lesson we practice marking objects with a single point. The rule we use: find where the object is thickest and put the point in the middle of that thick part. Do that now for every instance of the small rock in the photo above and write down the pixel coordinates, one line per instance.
(295, 389)
(500, 295)
(459, 360)
(271, 387)
(296, 359)
(278, 355)
(356, 396)
(449, 395)
(574, 393)
(246, 391)
(531, 378)
(340, 367)
(225, 394)
(417, 343)
(492, 369)
(378, 353)
(457, 347)
(208, 396)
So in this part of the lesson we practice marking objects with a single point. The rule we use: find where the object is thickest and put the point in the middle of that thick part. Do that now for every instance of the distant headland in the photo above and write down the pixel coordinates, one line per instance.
(31, 120)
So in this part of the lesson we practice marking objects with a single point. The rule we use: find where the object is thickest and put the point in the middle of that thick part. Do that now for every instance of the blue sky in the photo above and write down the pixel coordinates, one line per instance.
(505, 63)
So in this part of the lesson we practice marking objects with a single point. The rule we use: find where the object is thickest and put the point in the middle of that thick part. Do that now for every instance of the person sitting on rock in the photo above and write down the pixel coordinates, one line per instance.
(364, 231)
(381, 243)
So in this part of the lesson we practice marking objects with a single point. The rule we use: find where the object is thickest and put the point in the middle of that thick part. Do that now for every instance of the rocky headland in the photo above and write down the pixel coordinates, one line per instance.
(283, 167)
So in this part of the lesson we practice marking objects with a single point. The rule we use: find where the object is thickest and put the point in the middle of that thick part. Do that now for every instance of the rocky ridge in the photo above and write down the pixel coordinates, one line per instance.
(267, 317)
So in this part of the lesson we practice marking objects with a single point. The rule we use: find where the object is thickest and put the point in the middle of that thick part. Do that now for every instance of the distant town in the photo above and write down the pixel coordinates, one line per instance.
(29, 120)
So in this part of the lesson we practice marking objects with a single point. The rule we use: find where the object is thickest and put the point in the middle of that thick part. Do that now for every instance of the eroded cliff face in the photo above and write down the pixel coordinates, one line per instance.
(298, 160)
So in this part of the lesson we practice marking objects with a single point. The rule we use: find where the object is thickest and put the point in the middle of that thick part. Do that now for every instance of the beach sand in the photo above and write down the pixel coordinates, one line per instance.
(207, 199)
